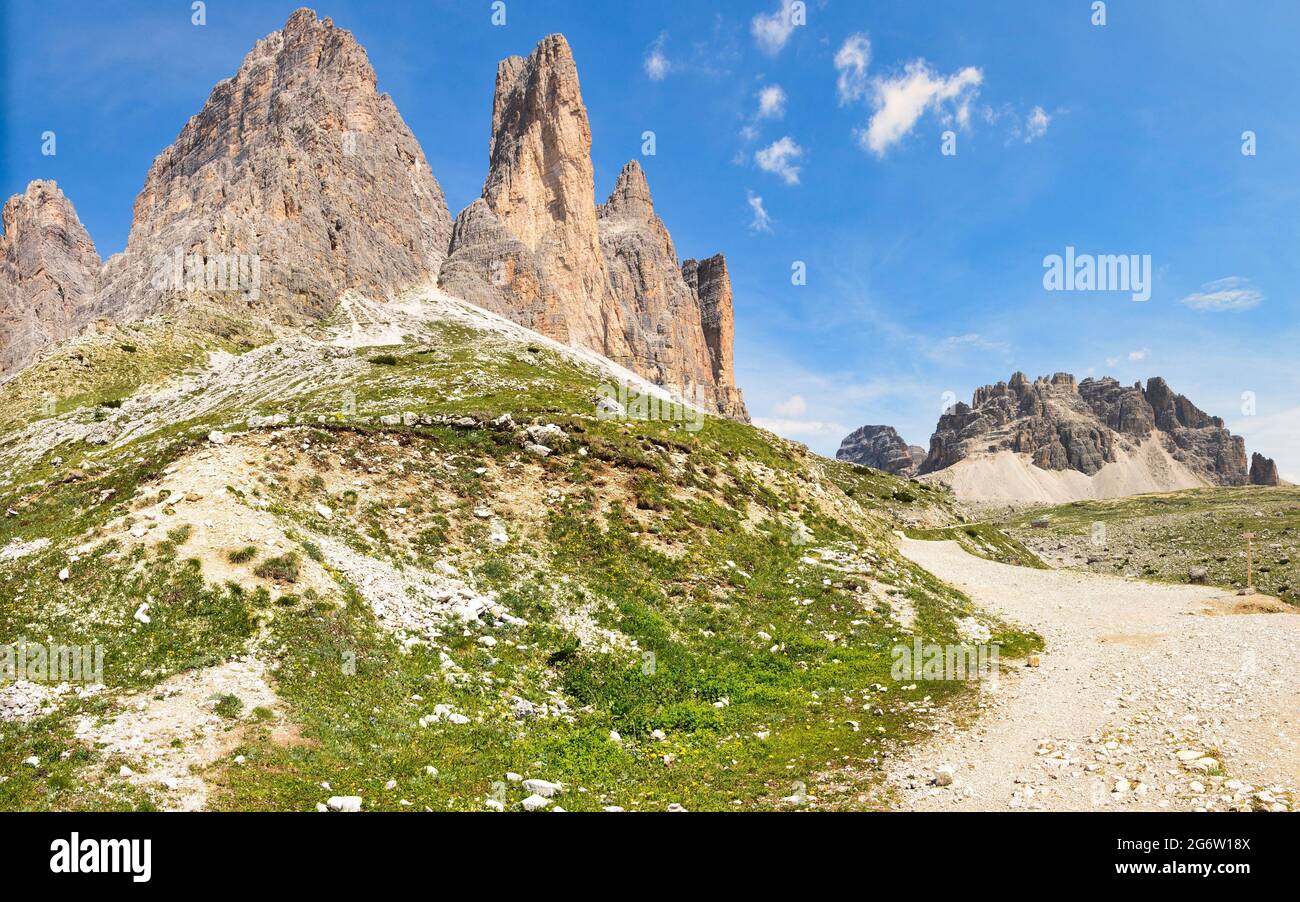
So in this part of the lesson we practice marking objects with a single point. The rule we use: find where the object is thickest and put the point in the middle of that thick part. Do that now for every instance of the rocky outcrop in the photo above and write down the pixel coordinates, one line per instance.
(678, 321)
(711, 283)
(1263, 471)
(531, 249)
(537, 249)
(48, 268)
(882, 448)
(1065, 425)
(296, 182)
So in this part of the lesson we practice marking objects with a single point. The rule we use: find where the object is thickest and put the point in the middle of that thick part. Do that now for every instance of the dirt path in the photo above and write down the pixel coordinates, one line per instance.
(1140, 684)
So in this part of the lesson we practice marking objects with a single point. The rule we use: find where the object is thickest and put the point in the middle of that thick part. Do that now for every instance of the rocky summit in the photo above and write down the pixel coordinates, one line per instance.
(1055, 439)
(1065, 425)
(48, 268)
(882, 448)
(537, 249)
(298, 184)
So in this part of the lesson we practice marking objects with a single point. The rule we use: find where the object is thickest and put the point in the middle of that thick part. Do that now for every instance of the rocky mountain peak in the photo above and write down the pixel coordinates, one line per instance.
(1263, 470)
(1063, 424)
(631, 194)
(48, 269)
(535, 252)
(882, 448)
(536, 248)
(298, 178)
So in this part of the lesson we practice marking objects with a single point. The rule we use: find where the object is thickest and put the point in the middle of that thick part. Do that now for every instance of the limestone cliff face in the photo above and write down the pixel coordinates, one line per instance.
(296, 182)
(711, 283)
(48, 268)
(540, 189)
(882, 448)
(1063, 424)
(536, 248)
(676, 336)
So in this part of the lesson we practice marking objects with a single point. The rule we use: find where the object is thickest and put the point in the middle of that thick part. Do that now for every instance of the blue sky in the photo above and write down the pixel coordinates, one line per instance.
(924, 270)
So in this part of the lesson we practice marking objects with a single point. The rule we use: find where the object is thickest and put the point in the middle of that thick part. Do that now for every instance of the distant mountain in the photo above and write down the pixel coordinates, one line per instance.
(882, 448)
(1055, 439)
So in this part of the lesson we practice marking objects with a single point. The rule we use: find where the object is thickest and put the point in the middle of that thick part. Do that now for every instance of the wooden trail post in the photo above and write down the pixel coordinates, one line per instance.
(1250, 552)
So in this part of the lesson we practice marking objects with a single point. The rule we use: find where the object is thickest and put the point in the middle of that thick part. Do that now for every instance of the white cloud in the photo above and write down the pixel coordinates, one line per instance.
(657, 65)
(778, 158)
(793, 406)
(954, 344)
(900, 101)
(773, 30)
(771, 102)
(1274, 435)
(1036, 124)
(1231, 295)
(761, 221)
(1142, 354)
(748, 133)
(1112, 361)
(851, 62)
(791, 428)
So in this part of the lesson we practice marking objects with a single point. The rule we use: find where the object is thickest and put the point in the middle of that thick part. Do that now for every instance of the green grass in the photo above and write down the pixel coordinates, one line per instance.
(242, 555)
(282, 569)
(982, 540)
(676, 586)
(1164, 536)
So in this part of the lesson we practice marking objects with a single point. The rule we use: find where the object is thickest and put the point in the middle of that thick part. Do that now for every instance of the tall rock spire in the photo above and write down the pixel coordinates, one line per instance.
(536, 248)
(48, 268)
(663, 312)
(295, 165)
(540, 190)
(712, 286)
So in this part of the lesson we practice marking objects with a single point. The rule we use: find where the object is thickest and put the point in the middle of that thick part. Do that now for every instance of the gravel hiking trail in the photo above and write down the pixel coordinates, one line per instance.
(1149, 697)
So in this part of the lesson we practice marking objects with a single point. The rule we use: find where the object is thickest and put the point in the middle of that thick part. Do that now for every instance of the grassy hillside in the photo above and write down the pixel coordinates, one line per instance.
(373, 580)
(1166, 536)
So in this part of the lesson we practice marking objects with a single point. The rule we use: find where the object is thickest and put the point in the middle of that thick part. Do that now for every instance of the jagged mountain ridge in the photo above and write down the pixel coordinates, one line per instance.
(298, 182)
(1099, 435)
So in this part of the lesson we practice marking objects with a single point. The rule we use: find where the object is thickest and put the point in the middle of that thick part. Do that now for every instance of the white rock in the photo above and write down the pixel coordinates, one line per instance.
(494, 804)
(33, 761)
(344, 803)
(125, 771)
(943, 776)
(324, 511)
(64, 574)
(217, 437)
(457, 718)
(535, 803)
(514, 777)
(543, 788)
(391, 784)
(142, 612)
